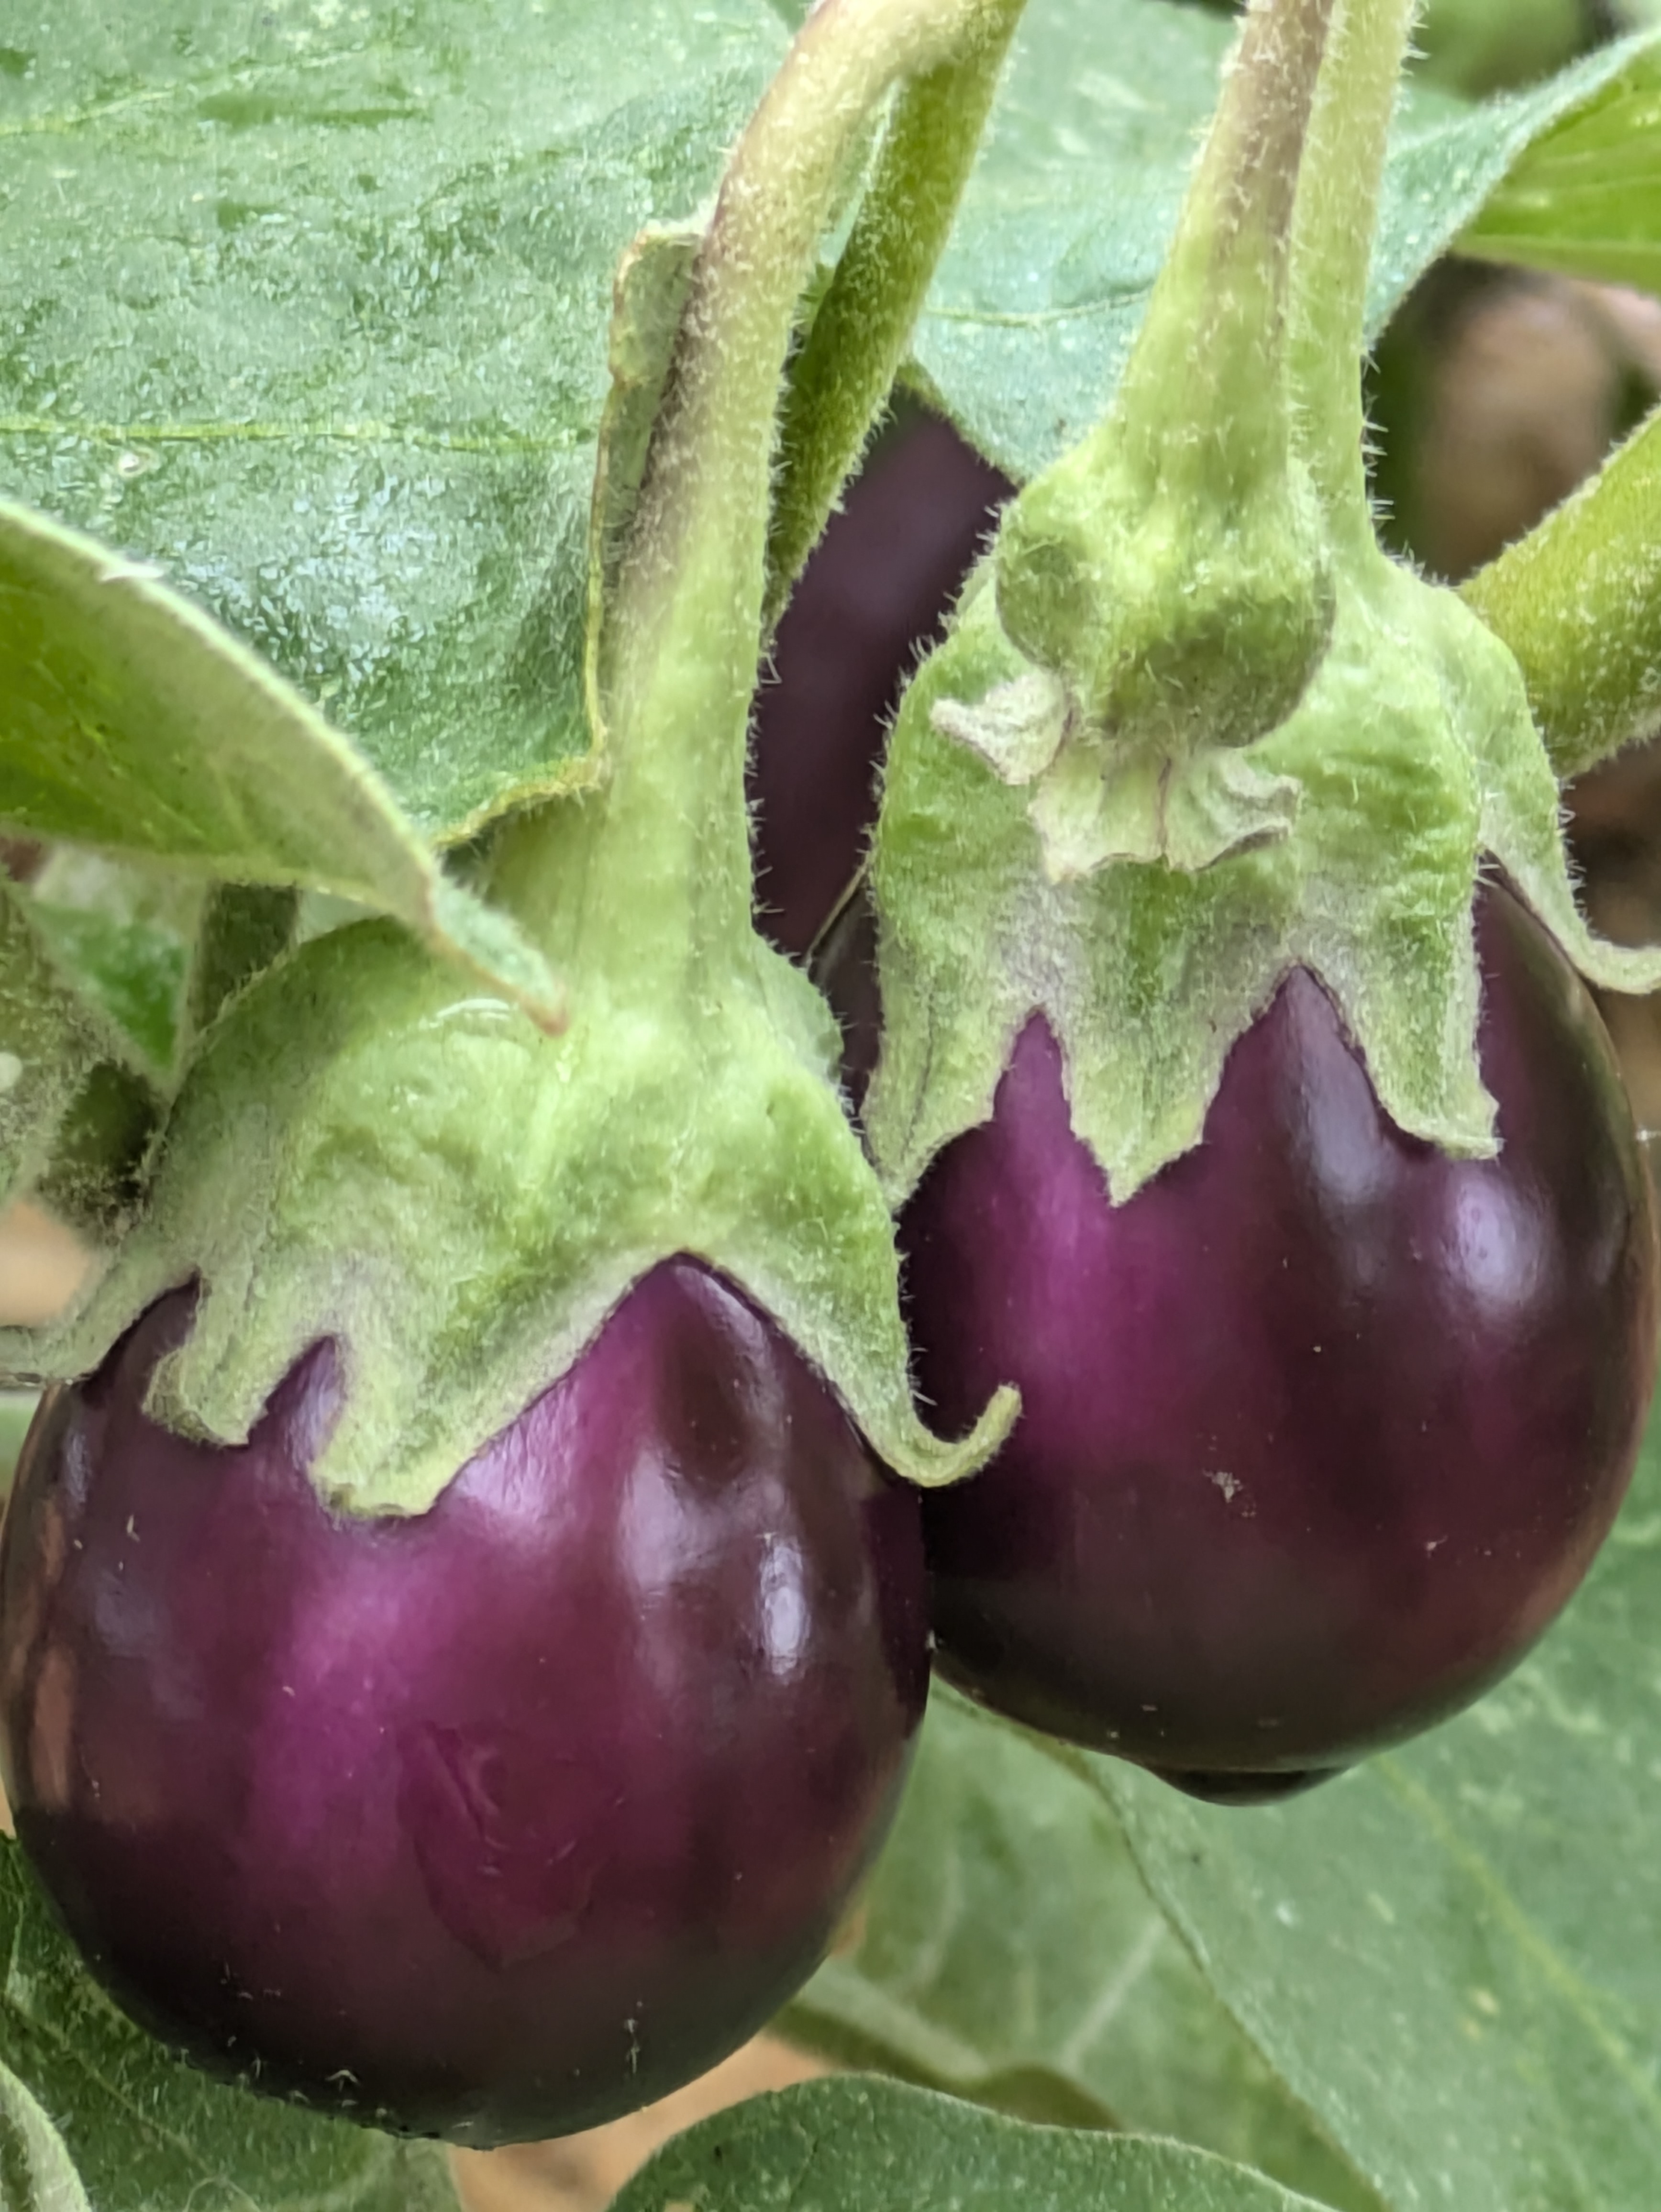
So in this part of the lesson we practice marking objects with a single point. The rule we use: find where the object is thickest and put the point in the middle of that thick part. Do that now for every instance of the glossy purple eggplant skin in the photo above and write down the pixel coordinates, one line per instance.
(1322, 1427)
(874, 595)
(492, 1823)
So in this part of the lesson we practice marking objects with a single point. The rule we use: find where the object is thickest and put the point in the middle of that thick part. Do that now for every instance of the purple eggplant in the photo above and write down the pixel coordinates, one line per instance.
(491, 1823)
(1321, 1427)
(875, 594)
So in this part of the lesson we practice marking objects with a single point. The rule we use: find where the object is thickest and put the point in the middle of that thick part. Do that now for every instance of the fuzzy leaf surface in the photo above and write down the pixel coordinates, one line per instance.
(1447, 1954)
(315, 310)
(1585, 197)
(130, 723)
(313, 313)
(146, 2133)
(1008, 1950)
(829, 2145)
(1068, 215)
(49, 1043)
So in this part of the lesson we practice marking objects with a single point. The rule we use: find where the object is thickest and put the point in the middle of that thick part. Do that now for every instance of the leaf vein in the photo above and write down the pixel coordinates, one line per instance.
(1580, 1998)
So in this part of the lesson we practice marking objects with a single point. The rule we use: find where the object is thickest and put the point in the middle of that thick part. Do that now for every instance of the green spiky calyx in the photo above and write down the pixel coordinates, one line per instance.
(458, 1200)
(1008, 877)
(1170, 576)
(1169, 624)
(1416, 761)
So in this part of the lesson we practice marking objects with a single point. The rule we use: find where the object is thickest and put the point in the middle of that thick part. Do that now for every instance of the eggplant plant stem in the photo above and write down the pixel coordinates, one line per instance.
(1230, 257)
(1333, 228)
(849, 358)
(687, 613)
(661, 855)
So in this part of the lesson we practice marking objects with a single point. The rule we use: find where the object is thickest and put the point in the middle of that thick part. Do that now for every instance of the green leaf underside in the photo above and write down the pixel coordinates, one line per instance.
(123, 933)
(314, 317)
(1448, 1954)
(1585, 197)
(313, 313)
(145, 2132)
(551, 1172)
(831, 2146)
(1006, 1950)
(129, 722)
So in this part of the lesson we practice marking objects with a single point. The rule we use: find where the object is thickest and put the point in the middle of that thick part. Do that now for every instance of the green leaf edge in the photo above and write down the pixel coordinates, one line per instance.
(130, 611)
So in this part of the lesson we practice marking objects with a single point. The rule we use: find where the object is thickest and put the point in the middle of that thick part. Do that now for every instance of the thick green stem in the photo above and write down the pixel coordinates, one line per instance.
(848, 363)
(1172, 571)
(1578, 602)
(667, 867)
(1332, 247)
(1204, 381)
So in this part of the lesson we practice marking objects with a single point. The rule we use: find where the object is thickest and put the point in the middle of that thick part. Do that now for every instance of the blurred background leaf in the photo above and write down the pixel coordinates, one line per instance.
(1452, 1956)
(832, 2146)
(56, 1052)
(36, 2172)
(16, 1412)
(1008, 1950)
(125, 932)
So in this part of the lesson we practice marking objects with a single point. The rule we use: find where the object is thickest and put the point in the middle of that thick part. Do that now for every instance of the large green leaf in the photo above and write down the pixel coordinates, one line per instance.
(855, 2145)
(146, 2133)
(1008, 1950)
(1452, 1954)
(1068, 217)
(309, 304)
(314, 306)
